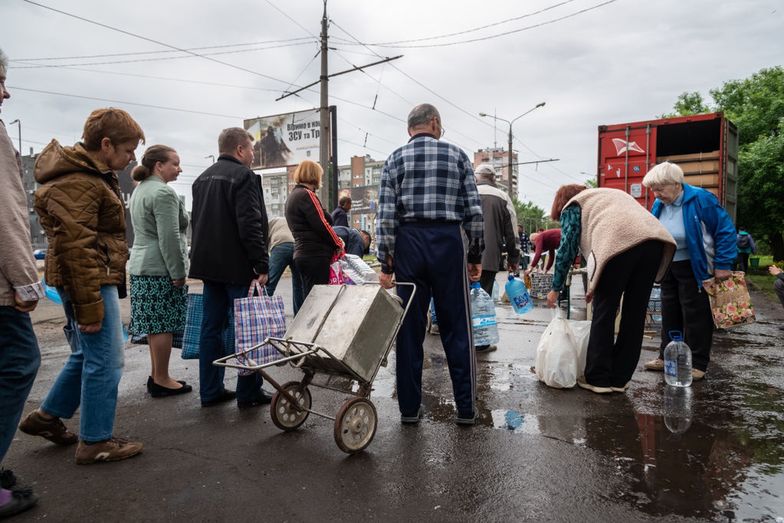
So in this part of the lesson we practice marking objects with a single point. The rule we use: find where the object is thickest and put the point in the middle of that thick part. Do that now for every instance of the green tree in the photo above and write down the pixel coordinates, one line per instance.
(761, 188)
(688, 103)
(531, 216)
(756, 106)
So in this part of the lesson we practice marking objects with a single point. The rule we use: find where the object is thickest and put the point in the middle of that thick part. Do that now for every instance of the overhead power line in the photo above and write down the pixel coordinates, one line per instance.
(147, 39)
(161, 51)
(159, 59)
(109, 100)
(493, 36)
(474, 29)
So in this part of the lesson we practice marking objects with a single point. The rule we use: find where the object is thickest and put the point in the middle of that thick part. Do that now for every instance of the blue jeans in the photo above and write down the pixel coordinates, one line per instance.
(280, 257)
(19, 361)
(92, 372)
(218, 299)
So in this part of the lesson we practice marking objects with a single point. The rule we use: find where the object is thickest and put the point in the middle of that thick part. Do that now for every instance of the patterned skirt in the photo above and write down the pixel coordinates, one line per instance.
(157, 306)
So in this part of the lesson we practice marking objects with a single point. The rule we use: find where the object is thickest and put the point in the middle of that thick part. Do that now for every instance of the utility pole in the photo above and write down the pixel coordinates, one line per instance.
(328, 191)
(19, 123)
(510, 164)
(324, 109)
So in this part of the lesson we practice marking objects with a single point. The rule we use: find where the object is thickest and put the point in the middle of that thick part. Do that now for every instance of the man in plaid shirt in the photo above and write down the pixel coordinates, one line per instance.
(428, 193)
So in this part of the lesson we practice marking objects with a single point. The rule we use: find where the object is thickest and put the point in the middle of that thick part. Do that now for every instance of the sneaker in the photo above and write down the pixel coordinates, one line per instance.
(697, 374)
(226, 395)
(21, 500)
(54, 429)
(114, 449)
(263, 398)
(621, 389)
(466, 419)
(482, 349)
(593, 388)
(412, 420)
(7, 479)
(656, 365)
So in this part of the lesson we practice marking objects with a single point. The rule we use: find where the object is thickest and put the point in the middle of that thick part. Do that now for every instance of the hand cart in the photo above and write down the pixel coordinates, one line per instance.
(339, 339)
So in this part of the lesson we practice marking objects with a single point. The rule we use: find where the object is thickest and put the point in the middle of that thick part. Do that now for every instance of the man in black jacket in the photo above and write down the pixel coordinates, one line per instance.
(228, 252)
(340, 214)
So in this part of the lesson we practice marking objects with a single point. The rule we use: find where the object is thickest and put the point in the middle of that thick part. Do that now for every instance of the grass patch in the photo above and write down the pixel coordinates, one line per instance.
(760, 278)
(764, 283)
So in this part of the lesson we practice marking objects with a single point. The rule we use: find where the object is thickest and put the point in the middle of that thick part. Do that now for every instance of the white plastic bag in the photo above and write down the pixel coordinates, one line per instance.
(581, 330)
(560, 355)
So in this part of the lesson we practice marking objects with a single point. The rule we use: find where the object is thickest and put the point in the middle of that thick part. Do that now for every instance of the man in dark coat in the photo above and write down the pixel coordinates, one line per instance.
(500, 221)
(228, 252)
(340, 214)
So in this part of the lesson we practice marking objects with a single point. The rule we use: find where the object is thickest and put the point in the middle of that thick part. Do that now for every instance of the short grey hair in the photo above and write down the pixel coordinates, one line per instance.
(665, 173)
(486, 172)
(3, 63)
(230, 138)
(421, 114)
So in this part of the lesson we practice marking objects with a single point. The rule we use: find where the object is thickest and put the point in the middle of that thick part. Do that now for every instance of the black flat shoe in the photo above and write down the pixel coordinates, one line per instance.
(263, 398)
(159, 391)
(226, 395)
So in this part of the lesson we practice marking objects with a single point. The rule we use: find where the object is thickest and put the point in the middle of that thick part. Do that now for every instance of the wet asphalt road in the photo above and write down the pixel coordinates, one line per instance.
(573, 456)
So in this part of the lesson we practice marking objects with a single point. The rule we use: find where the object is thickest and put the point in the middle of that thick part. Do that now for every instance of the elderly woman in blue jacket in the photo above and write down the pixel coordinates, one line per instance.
(706, 248)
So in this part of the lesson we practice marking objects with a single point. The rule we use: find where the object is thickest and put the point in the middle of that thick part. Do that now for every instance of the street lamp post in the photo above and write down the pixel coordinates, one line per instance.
(18, 122)
(511, 162)
(210, 156)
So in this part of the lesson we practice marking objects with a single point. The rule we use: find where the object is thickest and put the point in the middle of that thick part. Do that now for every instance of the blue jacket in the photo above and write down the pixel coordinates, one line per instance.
(701, 207)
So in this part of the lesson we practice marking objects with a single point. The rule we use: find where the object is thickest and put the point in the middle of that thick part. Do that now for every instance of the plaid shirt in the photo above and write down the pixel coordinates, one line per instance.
(427, 180)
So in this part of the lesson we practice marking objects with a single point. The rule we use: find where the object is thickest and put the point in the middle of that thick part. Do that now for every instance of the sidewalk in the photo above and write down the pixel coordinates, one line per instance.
(574, 456)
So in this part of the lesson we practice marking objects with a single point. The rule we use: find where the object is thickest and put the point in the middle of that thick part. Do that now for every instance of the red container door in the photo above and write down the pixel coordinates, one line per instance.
(625, 156)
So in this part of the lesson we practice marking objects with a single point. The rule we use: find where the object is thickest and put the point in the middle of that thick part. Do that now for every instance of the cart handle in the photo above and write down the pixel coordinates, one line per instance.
(223, 362)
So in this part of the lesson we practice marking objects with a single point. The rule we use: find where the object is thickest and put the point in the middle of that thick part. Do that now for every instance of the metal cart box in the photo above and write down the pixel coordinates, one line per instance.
(355, 323)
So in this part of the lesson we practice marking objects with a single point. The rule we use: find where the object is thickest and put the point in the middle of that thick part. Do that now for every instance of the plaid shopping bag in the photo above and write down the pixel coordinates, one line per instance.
(191, 336)
(257, 318)
(730, 302)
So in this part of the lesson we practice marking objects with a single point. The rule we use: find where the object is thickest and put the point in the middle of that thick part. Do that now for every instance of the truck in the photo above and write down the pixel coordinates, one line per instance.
(705, 146)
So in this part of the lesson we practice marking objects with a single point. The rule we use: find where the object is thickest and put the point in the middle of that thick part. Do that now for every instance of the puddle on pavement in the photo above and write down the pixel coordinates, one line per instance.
(679, 460)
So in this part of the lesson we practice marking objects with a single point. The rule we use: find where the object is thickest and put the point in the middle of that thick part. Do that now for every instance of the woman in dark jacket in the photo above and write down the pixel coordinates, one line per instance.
(315, 243)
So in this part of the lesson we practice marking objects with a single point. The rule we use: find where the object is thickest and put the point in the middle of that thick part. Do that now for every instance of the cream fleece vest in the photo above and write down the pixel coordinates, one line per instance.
(613, 222)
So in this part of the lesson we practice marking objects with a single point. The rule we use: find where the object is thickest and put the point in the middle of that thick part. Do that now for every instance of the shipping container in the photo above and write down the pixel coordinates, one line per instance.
(705, 146)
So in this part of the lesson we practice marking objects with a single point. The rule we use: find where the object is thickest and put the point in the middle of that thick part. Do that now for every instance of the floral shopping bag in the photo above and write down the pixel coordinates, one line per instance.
(730, 301)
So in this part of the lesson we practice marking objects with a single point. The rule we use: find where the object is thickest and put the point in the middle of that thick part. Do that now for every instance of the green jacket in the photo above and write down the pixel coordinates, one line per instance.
(160, 223)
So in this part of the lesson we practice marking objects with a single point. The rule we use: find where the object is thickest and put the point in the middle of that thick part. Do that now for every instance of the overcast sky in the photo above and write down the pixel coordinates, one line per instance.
(622, 61)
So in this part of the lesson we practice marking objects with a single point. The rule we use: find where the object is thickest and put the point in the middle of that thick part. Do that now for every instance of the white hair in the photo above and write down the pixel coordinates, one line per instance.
(665, 173)
(486, 171)
(3, 63)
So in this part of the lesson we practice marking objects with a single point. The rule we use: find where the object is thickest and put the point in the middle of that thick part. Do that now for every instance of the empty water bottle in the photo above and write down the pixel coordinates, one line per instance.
(483, 319)
(677, 361)
(518, 295)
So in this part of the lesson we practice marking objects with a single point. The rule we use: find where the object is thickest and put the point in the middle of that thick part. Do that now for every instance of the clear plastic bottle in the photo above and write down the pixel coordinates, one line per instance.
(677, 361)
(518, 295)
(483, 320)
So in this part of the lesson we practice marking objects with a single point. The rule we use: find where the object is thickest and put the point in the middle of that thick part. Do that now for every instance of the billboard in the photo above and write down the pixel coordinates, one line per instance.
(285, 139)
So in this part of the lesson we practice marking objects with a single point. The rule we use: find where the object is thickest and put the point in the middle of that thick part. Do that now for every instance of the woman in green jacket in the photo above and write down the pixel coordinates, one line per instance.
(159, 263)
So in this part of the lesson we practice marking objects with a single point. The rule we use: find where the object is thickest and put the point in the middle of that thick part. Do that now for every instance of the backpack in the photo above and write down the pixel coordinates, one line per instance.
(744, 242)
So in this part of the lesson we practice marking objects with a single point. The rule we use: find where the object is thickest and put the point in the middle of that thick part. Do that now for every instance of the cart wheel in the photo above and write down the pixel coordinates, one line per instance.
(355, 425)
(284, 415)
